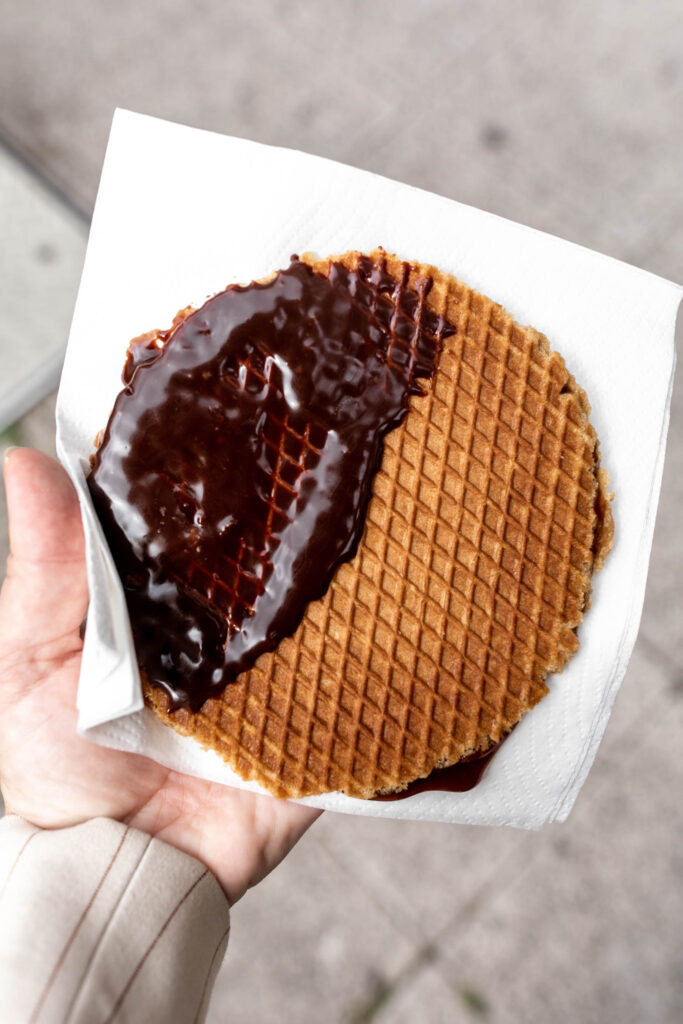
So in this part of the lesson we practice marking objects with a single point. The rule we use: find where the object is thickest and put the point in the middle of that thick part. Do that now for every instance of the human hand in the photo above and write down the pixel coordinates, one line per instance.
(48, 774)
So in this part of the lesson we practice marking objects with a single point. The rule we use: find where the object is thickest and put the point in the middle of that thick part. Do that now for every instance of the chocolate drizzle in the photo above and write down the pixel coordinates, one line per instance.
(456, 778)
(236, 469)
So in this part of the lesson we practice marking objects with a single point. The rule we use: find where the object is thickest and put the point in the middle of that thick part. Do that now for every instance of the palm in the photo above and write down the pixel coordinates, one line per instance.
(51, 776)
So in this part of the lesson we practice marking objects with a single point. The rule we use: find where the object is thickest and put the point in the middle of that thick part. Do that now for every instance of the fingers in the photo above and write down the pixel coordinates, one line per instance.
(45, 593)
(44, 518)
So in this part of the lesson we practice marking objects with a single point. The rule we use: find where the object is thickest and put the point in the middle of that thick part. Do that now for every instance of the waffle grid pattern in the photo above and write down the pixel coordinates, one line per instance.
(294, 448)
(472, 575)
(293, 452)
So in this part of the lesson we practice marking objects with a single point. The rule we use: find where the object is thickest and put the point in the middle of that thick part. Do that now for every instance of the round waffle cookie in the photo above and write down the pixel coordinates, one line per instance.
(488, 515)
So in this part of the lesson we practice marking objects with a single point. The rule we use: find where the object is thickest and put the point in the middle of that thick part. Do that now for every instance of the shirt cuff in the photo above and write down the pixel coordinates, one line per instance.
(101, 922)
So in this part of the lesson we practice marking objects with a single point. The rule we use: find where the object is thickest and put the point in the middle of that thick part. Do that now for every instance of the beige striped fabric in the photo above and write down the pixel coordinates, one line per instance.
(100, 923)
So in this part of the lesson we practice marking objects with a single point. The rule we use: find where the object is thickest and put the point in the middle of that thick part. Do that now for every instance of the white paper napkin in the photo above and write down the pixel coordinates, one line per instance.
(182, 213)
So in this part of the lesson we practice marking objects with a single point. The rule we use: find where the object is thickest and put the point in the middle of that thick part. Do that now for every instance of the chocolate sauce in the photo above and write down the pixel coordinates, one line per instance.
(457, 778)
(236, 469)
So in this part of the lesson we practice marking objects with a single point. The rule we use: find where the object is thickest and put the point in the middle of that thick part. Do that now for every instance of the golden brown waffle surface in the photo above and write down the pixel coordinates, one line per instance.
(488, 515)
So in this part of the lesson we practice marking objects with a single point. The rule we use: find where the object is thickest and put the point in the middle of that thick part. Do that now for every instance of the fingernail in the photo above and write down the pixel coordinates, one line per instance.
(8, 451)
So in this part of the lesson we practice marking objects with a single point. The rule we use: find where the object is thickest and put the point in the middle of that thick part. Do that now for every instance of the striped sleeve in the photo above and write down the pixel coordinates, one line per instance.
(101, 923)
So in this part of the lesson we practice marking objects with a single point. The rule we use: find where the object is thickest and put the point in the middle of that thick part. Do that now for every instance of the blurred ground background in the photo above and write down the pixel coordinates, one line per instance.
(567, 117)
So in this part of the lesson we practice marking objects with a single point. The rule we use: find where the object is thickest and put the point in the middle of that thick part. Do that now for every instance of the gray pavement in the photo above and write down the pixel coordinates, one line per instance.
(566, 117)
(44, 241)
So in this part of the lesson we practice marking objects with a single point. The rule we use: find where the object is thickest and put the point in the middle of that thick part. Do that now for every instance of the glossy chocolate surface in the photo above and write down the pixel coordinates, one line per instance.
(236, 469)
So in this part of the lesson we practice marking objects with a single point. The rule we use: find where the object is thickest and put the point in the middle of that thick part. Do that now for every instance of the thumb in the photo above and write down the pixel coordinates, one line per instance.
(44, 596)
